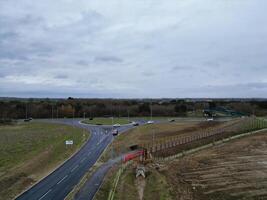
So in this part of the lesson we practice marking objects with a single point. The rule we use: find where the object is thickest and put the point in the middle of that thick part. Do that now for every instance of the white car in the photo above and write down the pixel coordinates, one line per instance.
(116, 125)
(210, 119)
(150, 122)
(135, 123)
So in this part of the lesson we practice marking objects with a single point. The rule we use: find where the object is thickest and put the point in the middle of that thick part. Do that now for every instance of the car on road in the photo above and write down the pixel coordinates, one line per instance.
(171, 120)
(150, 122)
(210, 119)
(115, 132)
(28, 119)
(135, 123)
(116, 125)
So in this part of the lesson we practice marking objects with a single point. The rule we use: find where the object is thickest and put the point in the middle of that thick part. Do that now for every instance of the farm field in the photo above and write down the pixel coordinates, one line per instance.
(29, 151)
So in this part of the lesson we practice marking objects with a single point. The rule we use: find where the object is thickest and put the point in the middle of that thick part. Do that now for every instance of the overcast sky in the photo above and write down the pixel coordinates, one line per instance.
(133, 48)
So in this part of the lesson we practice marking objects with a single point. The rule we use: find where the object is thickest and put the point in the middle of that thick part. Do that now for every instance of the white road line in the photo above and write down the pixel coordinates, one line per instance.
(83, 160)
(74, 168)
(45, 194)
(62, 179)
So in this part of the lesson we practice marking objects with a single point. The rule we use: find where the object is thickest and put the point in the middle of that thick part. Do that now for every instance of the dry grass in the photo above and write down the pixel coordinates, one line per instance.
(163, 131)
(29, 151)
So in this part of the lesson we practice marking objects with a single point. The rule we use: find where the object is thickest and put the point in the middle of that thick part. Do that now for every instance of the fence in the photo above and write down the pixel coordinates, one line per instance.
(229, 129)
(116, 180)
(206, 146)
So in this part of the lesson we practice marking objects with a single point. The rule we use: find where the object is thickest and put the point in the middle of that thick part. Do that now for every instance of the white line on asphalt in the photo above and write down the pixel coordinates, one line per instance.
(83, 160)
(62, 179)
(45, 194)
(74, 168)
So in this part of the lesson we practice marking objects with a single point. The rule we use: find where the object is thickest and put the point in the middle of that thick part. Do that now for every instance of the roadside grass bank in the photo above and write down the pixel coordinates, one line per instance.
(30, 151)
(160, 132)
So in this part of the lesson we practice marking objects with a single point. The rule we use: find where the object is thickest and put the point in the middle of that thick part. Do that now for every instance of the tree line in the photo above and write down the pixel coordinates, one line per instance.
(89, 108)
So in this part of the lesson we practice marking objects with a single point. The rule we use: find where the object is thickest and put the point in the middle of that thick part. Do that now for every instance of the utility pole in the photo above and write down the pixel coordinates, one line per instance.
(128, 115)
(83, 115)
(151, 111)
(57, 112)
(153, 139)
(26, 112)
(52, 112)
(73, 117)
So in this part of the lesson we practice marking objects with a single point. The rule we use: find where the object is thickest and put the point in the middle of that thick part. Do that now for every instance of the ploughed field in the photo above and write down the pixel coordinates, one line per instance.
(235, 170)
(29, 151)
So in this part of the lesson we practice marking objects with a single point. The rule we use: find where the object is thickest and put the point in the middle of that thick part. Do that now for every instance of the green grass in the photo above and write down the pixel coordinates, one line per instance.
(28, 151)
(107, 121)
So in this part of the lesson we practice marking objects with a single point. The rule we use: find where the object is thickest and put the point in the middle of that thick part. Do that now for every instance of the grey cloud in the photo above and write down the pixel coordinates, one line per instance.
(182, 67)
(61, 76)
(112, 59)
(203, 47)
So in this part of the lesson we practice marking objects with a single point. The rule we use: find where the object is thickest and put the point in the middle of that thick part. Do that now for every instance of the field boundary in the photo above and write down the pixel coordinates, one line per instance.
(191, 151)
(57, 167)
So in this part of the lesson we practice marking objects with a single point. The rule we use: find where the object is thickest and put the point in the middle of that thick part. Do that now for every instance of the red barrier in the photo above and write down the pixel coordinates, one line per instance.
(131, 156)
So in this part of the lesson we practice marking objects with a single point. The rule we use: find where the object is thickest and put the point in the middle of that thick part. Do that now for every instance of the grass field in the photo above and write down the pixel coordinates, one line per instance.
(29, 151)
(107, 121)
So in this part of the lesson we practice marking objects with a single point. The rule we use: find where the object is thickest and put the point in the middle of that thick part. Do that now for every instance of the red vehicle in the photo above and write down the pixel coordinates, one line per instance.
(131, 156)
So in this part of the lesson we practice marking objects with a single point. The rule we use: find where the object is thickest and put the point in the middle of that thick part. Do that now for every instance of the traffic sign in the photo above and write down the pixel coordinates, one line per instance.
(69, 142)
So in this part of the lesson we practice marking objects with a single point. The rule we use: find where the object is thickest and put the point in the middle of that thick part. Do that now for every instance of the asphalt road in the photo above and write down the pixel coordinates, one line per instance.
(58, 184)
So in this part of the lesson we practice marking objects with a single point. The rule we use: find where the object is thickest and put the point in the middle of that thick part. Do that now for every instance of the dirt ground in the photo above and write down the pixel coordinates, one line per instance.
(235, 170)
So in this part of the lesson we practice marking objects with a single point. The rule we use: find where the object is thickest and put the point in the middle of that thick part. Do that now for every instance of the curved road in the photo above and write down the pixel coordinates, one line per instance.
(59, 183)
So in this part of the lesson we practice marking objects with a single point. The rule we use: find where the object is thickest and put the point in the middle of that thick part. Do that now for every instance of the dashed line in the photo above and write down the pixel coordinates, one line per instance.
(83, 160)
(62, 179)
(74, 168)
(45, 194)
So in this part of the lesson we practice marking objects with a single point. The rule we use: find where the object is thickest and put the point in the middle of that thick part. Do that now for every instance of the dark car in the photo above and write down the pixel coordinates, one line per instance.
(115, 132)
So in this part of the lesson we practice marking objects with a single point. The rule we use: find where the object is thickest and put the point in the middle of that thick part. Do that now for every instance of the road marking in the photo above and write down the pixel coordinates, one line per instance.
(74, 168)
(83, 160)
(62, 179)
(45, 194)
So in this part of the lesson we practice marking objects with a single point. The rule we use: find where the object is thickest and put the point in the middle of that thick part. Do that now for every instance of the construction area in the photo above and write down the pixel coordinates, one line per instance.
(175, 166)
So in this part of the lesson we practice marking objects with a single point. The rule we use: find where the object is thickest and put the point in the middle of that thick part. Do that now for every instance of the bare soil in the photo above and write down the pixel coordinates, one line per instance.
(236, 170)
